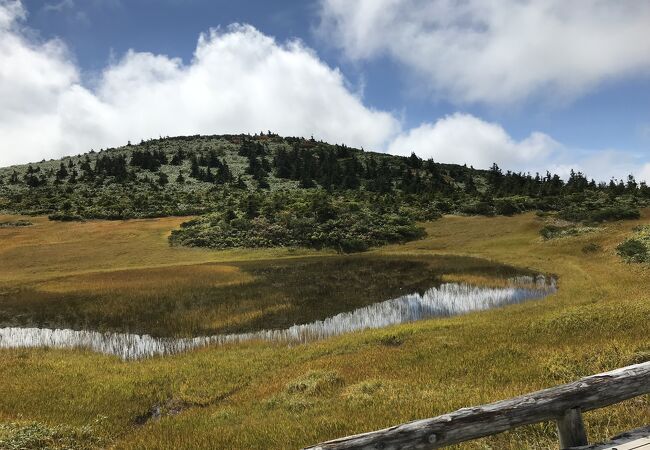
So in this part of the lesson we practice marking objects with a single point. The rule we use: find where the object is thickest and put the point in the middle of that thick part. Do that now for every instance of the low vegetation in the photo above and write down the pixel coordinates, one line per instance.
(205, 298)
(260, 396)
(257, 224)
(220, 298)
(597, 212)
(36, 436)
(559, 230)
(637, 248)
(15, 223)
(300, 219)
(370, 199)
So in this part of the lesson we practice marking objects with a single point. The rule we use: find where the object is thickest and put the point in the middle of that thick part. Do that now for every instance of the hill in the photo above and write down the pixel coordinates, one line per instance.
(266, 190)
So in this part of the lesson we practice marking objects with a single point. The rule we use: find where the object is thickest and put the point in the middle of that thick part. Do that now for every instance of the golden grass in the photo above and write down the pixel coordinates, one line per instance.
(475, 280)
(250, 396)
(52, 249)
(159, 278)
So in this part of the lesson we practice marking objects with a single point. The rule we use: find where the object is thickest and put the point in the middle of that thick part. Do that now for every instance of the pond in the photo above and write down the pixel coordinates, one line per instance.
(231, 298)
(441, 300)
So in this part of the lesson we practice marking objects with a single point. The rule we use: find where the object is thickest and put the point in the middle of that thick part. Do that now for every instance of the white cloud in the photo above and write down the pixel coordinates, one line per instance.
(462, 138)
(10, 11)
(59, 6)
(644, 173)
(239, 80)
(606, 164)
(497, 51)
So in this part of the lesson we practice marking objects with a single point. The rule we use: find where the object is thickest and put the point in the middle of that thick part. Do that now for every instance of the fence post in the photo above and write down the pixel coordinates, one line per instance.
(571, 429)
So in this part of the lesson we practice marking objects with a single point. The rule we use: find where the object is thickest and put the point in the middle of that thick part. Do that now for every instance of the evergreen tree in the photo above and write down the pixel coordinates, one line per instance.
(62, 173)
(163, 179)
(224, 175)
(414, 161)
(73, 177)
(241, 184)
(252, 206)
(195, 170)
(178, 157)
(350, 177)
(281, 164)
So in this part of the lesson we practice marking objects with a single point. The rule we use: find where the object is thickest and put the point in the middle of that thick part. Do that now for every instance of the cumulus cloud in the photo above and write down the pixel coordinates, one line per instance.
(463, 138)
(497, 51)
(239, 80)
(644, 173)
(466, 139)
(606, 164)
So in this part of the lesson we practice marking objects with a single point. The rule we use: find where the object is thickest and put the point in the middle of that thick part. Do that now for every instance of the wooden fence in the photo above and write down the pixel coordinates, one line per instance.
(563, 404)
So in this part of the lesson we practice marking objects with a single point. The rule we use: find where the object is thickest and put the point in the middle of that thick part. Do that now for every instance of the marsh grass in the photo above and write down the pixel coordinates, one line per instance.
(598, 320)
(209, 299)
(35, 436)
(446, 300)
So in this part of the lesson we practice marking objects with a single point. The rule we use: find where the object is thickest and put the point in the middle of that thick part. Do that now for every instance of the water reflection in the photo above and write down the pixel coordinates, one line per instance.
(445, 300)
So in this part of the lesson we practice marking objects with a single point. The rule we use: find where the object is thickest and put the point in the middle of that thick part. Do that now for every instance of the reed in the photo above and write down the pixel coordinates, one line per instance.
(447, 300)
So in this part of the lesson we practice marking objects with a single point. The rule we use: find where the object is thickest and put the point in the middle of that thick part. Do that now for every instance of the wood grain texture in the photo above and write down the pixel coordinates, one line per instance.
(589, 393)
(631, 440)
(571, 429)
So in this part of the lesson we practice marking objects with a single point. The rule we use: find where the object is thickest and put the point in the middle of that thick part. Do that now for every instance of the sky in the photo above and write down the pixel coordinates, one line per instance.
(532, 85)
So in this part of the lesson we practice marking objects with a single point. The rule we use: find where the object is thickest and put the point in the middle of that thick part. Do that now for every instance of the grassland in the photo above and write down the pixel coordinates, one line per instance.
(273, 396)
(208, 297)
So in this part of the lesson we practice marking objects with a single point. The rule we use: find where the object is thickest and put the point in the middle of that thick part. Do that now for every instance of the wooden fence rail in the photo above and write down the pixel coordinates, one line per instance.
(563, 404)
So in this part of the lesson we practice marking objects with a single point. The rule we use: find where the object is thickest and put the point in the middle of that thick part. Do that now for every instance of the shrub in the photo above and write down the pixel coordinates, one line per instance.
(589, 213)
(507, 207)
(65, 217)
(16, 224)
(615, 213)
(592, 248)
(478, 209)
(300, 219)
(550, 231)
(633, 250)
(553, 231)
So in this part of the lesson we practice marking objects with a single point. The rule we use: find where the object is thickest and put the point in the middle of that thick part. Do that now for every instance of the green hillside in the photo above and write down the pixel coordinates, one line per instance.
(266, 191)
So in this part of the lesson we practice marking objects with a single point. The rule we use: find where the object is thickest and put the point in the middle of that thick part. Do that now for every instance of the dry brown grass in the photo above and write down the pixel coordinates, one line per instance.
(53, 249)
(159, 278)
(245, 397)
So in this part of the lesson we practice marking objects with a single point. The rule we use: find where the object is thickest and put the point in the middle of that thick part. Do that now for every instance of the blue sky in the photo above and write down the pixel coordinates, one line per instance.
(548, 87)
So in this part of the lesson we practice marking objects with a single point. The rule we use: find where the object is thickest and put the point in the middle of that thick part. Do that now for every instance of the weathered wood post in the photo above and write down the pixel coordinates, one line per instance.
(571, 429)
(563, 404)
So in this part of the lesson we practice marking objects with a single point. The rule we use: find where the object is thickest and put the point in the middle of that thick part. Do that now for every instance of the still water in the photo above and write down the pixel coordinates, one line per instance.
(441, 301)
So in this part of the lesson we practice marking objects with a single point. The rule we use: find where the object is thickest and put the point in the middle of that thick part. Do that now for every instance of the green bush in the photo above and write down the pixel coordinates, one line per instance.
(553, 231)
(550, 231)
(16, 224)
(588, 213)
(312, 219)
(633, 250)
(478, 209)
(65, 217)
(615, 213)
(507, 207)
